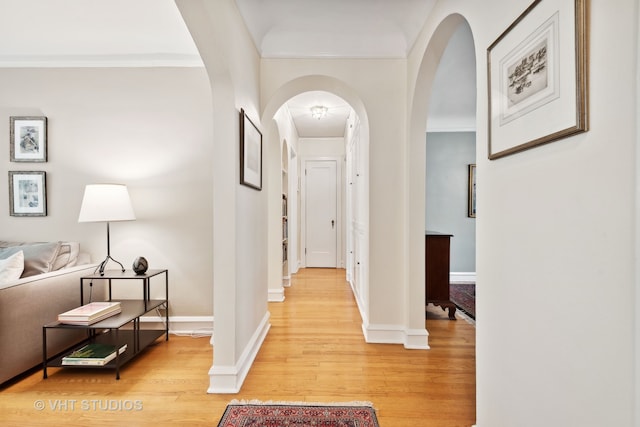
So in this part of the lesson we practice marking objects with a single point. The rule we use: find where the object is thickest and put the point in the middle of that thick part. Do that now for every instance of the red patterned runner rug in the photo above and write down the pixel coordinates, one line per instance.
(298, 414)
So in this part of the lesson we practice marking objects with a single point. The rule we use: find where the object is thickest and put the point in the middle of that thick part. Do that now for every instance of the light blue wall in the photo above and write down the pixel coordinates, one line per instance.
(448, 157)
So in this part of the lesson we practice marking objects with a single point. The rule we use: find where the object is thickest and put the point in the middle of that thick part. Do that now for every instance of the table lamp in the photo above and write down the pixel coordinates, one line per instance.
(106, 203)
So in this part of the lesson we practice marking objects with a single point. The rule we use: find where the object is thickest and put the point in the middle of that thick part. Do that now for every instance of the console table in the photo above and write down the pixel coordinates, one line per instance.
(437, 253)
(119, 329)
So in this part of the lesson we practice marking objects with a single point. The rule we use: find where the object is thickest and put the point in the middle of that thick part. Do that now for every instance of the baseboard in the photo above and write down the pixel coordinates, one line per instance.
(276, 295)
(228, 379)
(415, 339)
(182, 325)
(469, 277)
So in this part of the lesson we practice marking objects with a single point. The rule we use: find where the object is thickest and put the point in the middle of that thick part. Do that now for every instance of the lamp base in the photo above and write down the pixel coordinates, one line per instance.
(103, 264)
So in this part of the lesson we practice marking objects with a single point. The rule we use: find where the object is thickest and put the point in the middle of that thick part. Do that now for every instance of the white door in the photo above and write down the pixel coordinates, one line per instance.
(321, 208)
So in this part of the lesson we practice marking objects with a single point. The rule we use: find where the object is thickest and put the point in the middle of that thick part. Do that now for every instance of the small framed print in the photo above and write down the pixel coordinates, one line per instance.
(27, 193)
(250, 153)
(538, 78)
(472, 192)
(28, 139)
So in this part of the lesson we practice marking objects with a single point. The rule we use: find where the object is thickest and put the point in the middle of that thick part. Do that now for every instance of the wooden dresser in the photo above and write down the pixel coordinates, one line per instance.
(437, 252)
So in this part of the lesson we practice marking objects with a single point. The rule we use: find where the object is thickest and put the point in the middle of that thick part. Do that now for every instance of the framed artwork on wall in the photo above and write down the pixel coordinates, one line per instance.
(250, 153)
(27, 193)
(472, 191)
(28, 139)
(538, 78)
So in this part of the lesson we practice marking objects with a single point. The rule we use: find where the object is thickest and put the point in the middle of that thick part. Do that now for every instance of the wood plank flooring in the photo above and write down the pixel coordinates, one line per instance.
(314, 352)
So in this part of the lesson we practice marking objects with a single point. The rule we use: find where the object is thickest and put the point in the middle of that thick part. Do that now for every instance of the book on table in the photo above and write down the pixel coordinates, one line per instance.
(90, 313)
(94, 354)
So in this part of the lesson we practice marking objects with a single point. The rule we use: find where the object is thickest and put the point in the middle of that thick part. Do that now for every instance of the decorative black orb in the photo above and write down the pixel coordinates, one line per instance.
(140, 265)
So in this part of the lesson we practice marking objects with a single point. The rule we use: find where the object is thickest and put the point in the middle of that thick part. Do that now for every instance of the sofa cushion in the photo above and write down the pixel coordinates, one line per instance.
(11, 268)
(38, 257)
(67, 256)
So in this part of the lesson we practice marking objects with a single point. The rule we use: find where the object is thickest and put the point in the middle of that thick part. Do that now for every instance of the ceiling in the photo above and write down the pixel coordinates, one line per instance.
(153, 32)
(334, 28)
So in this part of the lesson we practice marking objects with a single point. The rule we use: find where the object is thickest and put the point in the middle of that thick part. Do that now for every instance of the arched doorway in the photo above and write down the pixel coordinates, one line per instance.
(418, 118)
(353, 194)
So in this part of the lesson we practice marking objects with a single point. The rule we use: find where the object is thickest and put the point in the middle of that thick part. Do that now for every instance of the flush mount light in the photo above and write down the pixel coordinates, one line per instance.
(318, 111)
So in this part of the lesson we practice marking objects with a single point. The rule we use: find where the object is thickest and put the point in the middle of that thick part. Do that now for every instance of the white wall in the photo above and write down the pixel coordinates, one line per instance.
(555, 265)
(148, 128)
(240, 214)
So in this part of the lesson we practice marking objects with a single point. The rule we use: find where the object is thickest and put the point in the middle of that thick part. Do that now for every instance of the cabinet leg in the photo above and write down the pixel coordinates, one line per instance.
(444, 305)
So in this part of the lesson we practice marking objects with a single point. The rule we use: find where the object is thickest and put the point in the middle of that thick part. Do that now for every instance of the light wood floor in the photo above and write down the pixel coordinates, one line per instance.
(314, 352)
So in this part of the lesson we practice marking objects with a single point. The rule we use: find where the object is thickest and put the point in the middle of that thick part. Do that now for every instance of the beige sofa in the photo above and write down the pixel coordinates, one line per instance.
(36, 298)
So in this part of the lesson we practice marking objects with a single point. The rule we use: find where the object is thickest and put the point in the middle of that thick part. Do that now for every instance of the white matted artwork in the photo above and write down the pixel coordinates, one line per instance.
(250, 153)
(537, 78)
(27, 193)
(28, 139)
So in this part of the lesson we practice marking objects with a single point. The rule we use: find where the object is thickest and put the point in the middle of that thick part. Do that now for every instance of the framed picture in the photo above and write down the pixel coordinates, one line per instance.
(472, 192)
(28, 139)
(538, 78)
(27, 193)
(250, 153)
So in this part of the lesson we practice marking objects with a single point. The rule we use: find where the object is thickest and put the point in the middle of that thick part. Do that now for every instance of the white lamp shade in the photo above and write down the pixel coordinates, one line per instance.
(105, 203)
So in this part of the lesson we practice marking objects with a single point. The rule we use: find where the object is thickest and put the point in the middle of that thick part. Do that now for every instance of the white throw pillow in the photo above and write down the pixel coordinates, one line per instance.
(11, 268)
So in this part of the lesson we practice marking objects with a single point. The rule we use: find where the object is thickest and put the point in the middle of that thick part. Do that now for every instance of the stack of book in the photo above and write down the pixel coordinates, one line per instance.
(93, 354)
(90, 313)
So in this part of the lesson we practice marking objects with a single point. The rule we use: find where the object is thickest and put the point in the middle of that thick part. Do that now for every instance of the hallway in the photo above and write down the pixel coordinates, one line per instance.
(315, 351)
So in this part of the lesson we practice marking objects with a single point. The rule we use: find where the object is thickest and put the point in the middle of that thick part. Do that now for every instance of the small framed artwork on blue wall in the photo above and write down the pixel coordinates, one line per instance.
(472, 191)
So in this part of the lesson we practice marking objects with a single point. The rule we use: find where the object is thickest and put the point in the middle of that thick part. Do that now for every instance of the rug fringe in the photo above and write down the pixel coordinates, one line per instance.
(300, 403)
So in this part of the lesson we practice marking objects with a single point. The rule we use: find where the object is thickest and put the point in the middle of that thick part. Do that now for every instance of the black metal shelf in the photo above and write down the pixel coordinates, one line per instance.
(120, 329)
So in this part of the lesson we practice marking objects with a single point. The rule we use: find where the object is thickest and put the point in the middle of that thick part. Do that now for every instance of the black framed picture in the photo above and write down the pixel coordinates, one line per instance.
(250, 153)
(472, 192)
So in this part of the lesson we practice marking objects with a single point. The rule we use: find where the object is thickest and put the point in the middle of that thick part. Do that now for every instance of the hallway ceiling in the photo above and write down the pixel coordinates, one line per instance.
(334, 28)
(45, 33)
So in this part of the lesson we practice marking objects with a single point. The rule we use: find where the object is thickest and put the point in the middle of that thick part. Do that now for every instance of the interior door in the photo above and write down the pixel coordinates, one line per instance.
(321, 208)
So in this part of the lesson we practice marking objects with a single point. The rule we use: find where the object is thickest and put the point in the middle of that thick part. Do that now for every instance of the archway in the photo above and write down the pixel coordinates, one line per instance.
(273, 106)
(419, 111)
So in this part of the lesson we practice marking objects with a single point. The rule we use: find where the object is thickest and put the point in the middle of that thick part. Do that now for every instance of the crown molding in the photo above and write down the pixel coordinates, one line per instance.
(100, 61)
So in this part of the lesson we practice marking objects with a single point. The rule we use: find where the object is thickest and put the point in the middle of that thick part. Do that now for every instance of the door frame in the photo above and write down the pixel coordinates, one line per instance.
(340, 259)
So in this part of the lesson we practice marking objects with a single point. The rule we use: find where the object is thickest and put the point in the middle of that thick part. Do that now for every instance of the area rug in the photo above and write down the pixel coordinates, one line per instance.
(463, 295)
(298, 414)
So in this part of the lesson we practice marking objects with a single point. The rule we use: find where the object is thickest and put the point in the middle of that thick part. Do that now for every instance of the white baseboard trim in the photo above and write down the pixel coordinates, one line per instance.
(462, 277)
(182, 325)
(276, 295)
(414, 339)
(228, 379)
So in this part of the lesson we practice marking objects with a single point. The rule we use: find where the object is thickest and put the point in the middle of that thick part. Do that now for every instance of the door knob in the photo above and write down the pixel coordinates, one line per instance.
(332, 223)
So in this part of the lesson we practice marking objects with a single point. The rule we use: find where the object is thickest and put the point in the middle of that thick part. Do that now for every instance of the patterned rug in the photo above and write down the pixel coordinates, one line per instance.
(463, 295)
(298, 414)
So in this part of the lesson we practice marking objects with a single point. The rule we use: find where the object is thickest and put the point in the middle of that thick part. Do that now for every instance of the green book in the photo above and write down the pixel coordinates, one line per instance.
(92, 354)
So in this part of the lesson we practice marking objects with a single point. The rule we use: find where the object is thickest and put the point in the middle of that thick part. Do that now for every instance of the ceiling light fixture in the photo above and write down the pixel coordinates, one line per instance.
(318, 111)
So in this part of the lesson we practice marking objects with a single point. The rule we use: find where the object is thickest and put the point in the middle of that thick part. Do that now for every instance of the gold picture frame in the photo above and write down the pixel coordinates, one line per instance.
(538, 78)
